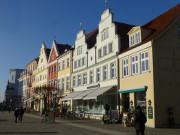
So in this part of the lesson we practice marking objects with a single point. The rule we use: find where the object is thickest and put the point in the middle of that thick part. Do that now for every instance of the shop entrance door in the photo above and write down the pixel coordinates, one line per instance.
(126, 102)
(141, 100)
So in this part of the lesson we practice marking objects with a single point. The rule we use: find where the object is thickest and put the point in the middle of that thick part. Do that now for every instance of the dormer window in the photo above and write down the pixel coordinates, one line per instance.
(132, 40)
(104, 35)
(137, 37)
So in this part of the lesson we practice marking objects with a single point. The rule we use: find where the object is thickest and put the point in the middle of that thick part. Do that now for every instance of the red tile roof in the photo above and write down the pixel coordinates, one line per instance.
(159, 24)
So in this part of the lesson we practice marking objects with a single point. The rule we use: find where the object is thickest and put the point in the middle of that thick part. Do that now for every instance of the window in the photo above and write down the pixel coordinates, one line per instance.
(79, 62)
(144, 62)
(52, 82)
(58, 84)
(42, 60)
(75, 64)
(113, 70)
(49, 83)
(132, 40)
(125, 68)
(110, 47)
(83, 61)
(79, 50)
(68, 62)
(53, 56)
(137, 37)
(79, 80)
(59, 66)
(63, 84)
(74, 80)
(12, 78)
(134, 64)
(99, 53)
(55, 83)
(67, 82)
(104, 35)
(84, 78)
(98, 74)
(104, 50)
(105, 73)
(55, 68)
(91, 77)
(63, 64)
(52, 70)
(49, 70)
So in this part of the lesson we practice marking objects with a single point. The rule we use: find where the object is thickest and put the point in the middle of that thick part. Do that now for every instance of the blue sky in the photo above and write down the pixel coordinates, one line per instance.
(25, 24)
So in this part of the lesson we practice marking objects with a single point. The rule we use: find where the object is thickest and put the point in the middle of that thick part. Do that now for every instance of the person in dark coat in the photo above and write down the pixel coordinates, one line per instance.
(21, 112)
(139, 121)
(16, 114)
(107, 108)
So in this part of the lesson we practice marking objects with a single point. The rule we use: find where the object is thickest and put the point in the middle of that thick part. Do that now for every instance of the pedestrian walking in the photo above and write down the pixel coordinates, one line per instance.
(21, 112)
(16, 114)
(139, 121)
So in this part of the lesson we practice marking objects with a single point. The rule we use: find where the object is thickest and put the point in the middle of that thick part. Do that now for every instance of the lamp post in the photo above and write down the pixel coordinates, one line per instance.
(54, 92)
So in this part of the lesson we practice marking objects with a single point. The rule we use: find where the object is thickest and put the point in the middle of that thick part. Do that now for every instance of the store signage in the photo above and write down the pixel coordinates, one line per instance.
(150, 112)
(93, 86)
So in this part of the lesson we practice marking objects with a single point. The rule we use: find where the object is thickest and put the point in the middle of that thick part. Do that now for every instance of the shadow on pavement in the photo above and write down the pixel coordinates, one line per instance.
(28, 133)
(3, 120)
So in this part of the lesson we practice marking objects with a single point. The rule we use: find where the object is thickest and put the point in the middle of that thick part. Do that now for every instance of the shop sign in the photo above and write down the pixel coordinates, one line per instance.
(150, 112)
(94, 86)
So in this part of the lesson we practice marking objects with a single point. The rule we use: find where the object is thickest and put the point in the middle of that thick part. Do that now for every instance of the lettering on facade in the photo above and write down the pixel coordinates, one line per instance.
(93, 86)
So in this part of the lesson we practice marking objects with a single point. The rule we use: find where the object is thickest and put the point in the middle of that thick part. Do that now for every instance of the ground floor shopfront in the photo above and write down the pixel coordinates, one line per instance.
(92, 101)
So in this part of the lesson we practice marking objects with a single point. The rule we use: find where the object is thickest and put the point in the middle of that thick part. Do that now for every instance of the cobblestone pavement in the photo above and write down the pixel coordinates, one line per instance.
(32, 125)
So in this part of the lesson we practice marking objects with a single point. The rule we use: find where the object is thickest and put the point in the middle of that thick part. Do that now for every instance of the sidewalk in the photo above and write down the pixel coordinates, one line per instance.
(112, 129)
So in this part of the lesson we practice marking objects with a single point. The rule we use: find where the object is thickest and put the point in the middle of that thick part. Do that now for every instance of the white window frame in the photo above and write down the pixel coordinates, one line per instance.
(91, 77)
(67, 83)
(58, 84)
(79, 62)
(63, 80)
(105, 73)
(79, 80)
(68, 62)
(113, 70)
(125, 67)
(74, 81)
(100, 53)
(83, 61)
(132, 39)
(75, 64)
(110, 48)
(134, 65)
(104, 50)
(98, 75)
(84, 78)
(59, 66)
(63, 64)
(145, 60)
(137, 37)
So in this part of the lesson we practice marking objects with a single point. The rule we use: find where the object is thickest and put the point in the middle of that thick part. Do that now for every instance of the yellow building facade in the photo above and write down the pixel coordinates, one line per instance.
(149, 70)
(64, 67)
(41, 76)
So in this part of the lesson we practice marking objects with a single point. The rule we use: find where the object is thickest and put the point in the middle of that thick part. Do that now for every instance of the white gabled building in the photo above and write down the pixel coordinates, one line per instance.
(95, 64)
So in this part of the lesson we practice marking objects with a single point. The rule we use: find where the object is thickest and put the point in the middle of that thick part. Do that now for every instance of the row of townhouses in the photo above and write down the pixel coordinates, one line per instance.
(118, 64)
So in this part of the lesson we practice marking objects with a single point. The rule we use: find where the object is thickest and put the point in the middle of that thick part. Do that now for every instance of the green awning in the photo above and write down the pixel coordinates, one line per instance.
(132, 90)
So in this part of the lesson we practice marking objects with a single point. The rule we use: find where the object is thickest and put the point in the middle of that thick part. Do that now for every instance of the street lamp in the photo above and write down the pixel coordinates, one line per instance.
(54, 92)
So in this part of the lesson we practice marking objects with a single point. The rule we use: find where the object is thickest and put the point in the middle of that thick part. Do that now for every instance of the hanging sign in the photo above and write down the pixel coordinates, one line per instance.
(150, 112)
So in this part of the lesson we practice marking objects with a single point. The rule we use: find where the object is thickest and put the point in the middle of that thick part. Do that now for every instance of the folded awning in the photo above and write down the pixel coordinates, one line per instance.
(71, 96)
(138, 89)
(83, 94)
(97, 92)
